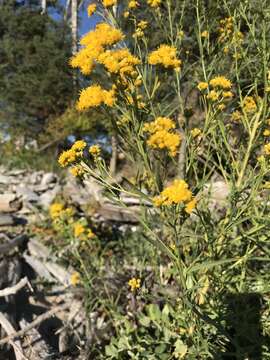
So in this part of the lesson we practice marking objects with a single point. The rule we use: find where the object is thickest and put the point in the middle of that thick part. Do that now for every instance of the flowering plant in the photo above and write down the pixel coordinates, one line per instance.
(180, 154)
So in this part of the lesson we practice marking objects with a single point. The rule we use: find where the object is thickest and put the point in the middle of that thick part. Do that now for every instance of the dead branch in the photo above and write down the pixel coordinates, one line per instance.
(9, 329)
(14, 289)
(36, 322)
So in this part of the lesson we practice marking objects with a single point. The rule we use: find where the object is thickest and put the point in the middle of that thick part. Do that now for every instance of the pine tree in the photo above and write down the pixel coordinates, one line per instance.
(35, 78)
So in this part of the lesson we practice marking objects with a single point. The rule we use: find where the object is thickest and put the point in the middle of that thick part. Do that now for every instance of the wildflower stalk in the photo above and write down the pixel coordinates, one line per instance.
(252, 136)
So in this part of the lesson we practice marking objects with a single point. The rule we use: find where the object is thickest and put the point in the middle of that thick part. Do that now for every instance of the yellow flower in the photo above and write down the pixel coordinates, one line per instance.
(267, 149)
(236, 116)
(79, 146)
(94, 96)
(174, 194)
(165, 140)
(202, 86)
(75, 279)
(221, 107)
(78, 229)
(126, 14)
(133, 4)
(195, 132)
(249, 105)
(90, 234)
(227, 94)
(161, 123)
(213, 95)
(108, 3)
(205, 34)
(91, 9)
(93, 44)
(143, 24)
(67, 157)
(77, 171)
(190, 206)
(266, 132)
(119, 61)
(154, 3)
(134, 284)
(165, 55)
(95, 150)
(56, 210)
(221, 81)
(162, 135)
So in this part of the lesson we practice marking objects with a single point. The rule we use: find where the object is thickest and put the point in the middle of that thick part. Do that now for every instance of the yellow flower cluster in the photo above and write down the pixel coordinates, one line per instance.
(108, 3)
(195, 132)
(55, 210)
(249, 105)
(177, 193)
(236, 116)
(134, 284)
(80, 231)
(228, 35)
(220, 82)
(94, 44)
(95, 150)
(58, 210)
(142, 25)
(154, 3)
(267, 149)
(120, 61)
(95, 96)
(72, 155)
(205, 34)
(161, 123)
(202, 85)
(218, 90)
(165, 55)
(162, 135)
(133, 4)
(91, 9)
(77, 171)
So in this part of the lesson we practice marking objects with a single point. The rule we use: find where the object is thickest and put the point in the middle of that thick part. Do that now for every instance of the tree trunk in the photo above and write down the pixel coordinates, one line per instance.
(113, 161)
(74, 25)
(43, 6)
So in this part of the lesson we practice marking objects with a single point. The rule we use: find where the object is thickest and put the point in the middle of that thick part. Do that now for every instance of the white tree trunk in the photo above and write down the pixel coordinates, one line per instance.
(43, 6)
(74, 25)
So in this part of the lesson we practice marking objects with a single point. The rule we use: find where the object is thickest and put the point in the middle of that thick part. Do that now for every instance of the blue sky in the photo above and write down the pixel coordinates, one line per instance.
(87, 23)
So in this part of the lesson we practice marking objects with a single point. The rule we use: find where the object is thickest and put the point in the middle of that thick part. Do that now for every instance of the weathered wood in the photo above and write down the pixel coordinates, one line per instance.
(7, 220)
(35, 347)
(14, 289)
(37, 321)
(9, 329)
(18, 240)
(10, 202)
